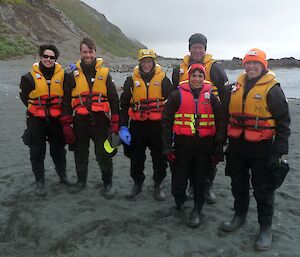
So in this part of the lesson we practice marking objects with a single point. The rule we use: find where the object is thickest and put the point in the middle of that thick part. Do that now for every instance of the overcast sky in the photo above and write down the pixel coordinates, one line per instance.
(232, 26)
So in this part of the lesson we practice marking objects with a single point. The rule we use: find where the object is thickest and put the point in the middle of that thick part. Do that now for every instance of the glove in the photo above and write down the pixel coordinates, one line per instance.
(273, 162)
(114, 124)
(66, 122)
(27, 138)
(72, 67)
(171, 156)
(125, 135)
(280, 173)
(218, 155)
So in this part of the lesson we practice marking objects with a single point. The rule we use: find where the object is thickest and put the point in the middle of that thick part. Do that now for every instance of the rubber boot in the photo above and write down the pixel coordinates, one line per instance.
(264, 239)
(136, 189)
(63, 179)
(60, 167)
(108, 192)
(210, 196)
(76, 188)
(40, 189)
(178, 207)
(178, 204)
(66, 182)
(194, 220)
(236, 222)
(159, 194)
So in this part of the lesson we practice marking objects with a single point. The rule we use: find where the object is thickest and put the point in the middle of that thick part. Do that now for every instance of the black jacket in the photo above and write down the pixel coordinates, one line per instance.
(89, 72)
(126, 95)
(171, 107)
(217, 75)
(278, 107)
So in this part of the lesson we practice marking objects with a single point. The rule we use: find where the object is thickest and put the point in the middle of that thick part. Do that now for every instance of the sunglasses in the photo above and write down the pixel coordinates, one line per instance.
(48, 56)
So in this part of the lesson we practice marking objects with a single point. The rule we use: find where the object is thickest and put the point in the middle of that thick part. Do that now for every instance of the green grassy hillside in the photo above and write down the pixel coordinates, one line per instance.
(12, 1)
(13, 45)
(109, 37)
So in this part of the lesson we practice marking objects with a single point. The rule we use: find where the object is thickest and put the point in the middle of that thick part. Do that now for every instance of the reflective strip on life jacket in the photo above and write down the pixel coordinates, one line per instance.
(190, 117)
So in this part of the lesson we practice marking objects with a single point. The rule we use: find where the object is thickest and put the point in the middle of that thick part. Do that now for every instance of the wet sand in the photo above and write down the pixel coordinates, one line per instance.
(86, 224)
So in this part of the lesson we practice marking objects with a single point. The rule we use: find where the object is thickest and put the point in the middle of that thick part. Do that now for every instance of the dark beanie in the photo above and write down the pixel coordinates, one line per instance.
(197, 39)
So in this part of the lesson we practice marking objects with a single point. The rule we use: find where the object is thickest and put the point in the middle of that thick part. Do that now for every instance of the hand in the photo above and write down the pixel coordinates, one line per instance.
(218, 155)
(114, 124)
(125, 135)
(66, 122)
(274, 160)
(171, 156)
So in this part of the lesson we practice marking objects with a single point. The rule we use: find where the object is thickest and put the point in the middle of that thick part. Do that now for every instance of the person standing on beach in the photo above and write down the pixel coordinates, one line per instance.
(91, 95)
(41, 91)
(142, 100)
(192, 118)
(258, 131)
(215, 74)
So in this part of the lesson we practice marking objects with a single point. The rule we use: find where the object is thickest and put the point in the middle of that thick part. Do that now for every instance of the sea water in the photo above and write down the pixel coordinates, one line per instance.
(10, 79)
(289, 79)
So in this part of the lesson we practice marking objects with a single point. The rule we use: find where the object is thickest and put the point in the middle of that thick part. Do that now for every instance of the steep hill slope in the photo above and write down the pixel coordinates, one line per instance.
(25, 24)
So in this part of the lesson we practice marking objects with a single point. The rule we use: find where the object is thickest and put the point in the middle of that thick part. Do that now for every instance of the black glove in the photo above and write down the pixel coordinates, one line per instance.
(27, 139)
(127, 150)
(274, 161)
(218, 152)
(278, 168)
(280, 173)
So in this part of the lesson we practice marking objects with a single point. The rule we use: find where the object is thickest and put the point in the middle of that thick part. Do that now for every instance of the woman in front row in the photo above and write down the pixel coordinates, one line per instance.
(193, 134)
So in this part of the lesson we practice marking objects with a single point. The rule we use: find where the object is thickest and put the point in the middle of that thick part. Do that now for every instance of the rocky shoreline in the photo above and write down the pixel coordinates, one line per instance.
(233, 64)
(286, 62)
(125, 65)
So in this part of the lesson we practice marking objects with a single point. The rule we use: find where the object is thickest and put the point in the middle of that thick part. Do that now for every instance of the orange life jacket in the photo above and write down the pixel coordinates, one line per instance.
(46, 99)
(194, 115)
(207, 62)
(85, 100)
(251, 115)
(147, 101)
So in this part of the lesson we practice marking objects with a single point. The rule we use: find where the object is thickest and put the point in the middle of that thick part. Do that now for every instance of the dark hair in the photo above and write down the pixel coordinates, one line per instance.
(90, 43)
(53, 48)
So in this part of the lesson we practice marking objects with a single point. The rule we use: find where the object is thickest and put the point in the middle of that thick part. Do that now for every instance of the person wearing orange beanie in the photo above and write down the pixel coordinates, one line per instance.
(258, 130)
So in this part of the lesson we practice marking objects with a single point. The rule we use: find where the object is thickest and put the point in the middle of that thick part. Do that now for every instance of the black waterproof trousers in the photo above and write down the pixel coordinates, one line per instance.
(41, 130)
(193, 161)
(146, 134)
(247, 160)
(95, 127)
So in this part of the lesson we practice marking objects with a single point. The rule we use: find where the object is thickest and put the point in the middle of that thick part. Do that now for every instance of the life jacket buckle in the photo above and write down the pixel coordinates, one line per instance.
(80, 99)
(138, 105)
(157, 103)
(256, 122)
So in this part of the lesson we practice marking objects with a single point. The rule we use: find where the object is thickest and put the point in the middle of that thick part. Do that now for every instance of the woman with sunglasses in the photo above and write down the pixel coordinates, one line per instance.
(41, 91)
